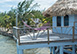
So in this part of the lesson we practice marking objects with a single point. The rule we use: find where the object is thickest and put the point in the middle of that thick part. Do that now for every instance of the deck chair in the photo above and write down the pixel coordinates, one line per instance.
(42, 28)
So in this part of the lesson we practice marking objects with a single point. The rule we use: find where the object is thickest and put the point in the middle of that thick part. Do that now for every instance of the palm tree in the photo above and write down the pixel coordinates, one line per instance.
(24, 9)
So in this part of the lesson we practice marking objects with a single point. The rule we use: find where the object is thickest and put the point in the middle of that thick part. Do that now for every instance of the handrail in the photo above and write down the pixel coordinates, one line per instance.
(73, 32)
(61, 26)
(17, 36)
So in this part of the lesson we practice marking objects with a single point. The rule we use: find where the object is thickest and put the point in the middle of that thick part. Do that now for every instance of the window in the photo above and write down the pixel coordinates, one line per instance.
(58, 21)
(66, 20)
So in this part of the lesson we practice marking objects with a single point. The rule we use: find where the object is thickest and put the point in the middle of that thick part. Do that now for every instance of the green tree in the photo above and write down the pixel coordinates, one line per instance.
(24, 9)
(12, 15)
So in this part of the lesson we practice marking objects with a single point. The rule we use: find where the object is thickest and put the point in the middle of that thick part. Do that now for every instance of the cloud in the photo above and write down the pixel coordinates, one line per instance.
(6, 5)
(44, 4)
(3, 1)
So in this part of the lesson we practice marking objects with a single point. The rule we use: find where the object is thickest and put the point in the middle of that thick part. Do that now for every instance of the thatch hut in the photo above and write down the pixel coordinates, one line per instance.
(64, 14)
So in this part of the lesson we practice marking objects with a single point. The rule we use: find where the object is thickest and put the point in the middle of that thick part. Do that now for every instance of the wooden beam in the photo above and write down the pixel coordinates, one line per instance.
(50, 50)
(17, 50)
(18, 36)
(61, 49)
(73, 49)
(21, 51)
(73, 34)
(56, 41)
(53, 50)
(48, 35)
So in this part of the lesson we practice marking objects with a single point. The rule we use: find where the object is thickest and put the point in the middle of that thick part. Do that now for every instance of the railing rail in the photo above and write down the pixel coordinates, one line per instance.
(17, 32)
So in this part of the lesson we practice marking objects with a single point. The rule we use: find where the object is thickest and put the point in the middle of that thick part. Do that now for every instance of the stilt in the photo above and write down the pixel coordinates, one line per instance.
(50, 50)
(57, 50)
(21, 51)
(73, 49)
(53, 50)
(61, 49)
(17, 50)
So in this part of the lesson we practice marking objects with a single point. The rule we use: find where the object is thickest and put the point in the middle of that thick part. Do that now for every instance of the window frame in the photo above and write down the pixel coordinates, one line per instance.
(68, 20)
(57, 21)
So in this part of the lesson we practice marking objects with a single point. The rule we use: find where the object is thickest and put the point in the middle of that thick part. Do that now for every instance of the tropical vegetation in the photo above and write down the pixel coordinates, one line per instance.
(25, 11)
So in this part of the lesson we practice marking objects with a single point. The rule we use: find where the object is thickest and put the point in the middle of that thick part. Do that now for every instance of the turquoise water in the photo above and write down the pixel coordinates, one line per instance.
(8, 46)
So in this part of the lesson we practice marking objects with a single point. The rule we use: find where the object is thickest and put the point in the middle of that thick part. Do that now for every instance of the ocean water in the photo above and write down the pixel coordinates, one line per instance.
(8, 46)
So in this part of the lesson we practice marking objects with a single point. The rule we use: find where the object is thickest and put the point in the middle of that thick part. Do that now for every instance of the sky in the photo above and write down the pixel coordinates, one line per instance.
(6, 5)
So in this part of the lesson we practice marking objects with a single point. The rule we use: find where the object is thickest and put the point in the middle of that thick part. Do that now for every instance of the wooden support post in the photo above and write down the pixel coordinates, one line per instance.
(18, 37)
(73, 49)
(33, 35)
(21, 51)
(48, 35)
(53, 50)
(17, 50)
(52, 29)
(73, 33)
(61, 49)
(57, 50)
(50, 50)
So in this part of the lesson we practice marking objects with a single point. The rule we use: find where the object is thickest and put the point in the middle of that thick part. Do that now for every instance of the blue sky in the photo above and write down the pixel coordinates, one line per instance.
(5, 5)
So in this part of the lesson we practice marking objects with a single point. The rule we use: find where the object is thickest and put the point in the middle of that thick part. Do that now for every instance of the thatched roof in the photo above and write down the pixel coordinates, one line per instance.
(62, 8)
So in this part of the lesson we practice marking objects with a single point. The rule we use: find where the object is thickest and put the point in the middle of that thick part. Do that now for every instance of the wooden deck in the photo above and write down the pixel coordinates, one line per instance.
(55, 40)
(44, 38)
(48, 39)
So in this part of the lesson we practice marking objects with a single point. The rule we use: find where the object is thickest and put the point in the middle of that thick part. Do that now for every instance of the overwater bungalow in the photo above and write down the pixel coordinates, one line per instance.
(64, 13)
(64, 16)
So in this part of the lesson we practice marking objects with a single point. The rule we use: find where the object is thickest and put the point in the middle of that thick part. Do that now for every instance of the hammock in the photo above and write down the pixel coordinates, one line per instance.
(41, 28)
(36, 29)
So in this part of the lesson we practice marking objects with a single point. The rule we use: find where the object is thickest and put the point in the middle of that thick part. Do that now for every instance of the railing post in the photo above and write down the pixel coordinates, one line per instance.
(18, 36)
(73, 34)
(48, 35)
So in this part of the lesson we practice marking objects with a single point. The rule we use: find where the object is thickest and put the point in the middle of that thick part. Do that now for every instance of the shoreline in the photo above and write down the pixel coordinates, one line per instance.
(4, 33)
(8, 46)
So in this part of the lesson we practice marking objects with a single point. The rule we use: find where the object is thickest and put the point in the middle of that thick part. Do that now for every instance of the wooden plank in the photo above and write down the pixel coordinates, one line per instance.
(57, 41)
(64, 38)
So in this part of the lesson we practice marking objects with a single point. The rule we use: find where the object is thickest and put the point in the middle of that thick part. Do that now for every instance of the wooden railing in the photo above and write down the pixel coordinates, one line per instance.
(66, 31)
(17, 31)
